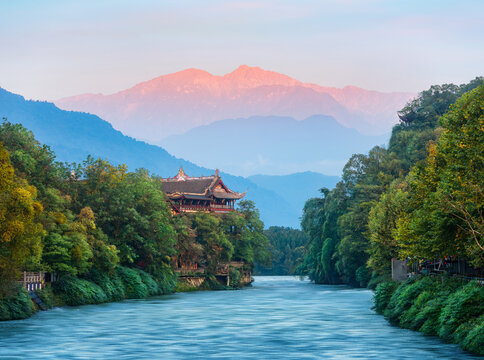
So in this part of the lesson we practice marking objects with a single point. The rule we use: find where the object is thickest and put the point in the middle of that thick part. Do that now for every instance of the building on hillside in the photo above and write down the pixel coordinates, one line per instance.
(205, 193)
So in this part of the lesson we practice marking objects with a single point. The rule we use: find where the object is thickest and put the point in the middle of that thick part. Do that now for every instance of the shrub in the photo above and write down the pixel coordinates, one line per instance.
(429, 315)
(383, 294)
(74, 291)
(134, 288)
(167, 282)
(47, 296)
(362, 275)
(410, 318)
(116, 288)
(463, 330)
(450, 308)
(404, 297)
(474, 341)
(211, 283)
(16, 306)
(234, 277)
(463, 305)
(112, 285)
(151, 284)
(184, 287)
(377, 279)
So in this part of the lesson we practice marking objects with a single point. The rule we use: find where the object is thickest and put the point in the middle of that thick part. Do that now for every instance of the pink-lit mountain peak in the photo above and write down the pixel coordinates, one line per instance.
(250, 77)
(174, 103)
(186, 77)
(244, 77)
(194, 82)
(247, 76)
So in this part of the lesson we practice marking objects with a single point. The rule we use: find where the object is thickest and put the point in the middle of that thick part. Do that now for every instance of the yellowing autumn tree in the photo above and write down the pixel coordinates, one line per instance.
(462, 184)
(445, 214)
(20, 231)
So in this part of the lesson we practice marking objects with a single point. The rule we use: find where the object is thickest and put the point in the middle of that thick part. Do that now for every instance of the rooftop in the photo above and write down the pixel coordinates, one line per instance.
(197, 187)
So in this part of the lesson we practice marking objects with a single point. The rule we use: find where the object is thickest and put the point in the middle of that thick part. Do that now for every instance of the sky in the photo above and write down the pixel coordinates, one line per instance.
(53, 49)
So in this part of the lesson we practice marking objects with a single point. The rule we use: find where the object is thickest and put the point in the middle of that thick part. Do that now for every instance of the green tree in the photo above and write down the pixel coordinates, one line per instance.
(312, 224)
(210, 234)
(32, 161)
(381, 227)
(462, 180)
(20, 230)
(254, 245)
(445, 213)
(131, 210)
(287, 251)
(425, 213)
(189, 251)
(320, 223)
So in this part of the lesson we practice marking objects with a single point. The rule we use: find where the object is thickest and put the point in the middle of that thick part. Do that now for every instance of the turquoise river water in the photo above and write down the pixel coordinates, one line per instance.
(276, 318)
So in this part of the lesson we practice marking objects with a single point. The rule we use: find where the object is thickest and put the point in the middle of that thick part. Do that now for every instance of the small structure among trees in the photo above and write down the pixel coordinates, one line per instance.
(205, 193)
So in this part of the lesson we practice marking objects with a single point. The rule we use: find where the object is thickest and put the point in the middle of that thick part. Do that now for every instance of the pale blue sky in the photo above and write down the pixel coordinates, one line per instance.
(52, 49)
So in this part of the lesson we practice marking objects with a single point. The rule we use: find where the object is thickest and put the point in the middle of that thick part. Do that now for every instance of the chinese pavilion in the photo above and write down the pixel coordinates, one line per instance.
(205, 193)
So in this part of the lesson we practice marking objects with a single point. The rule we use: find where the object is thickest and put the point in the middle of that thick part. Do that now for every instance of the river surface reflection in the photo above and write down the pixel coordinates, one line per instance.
(276, 318)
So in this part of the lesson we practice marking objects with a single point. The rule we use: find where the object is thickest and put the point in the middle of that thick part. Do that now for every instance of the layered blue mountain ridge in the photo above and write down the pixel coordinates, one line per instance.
(272, 145)
(75, 135)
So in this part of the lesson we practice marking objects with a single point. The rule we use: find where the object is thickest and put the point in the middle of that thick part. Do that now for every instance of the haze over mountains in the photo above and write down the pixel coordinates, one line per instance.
(296, 188)
(175, 103)
(75, 135)
(246, 123)
(272, 145)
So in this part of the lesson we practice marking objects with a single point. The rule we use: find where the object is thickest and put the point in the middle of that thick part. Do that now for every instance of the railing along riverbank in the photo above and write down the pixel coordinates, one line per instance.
(35, 280)
(454, 268)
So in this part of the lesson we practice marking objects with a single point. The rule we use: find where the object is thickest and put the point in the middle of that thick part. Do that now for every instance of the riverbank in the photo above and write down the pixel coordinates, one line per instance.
(98, 288)
(449, 308)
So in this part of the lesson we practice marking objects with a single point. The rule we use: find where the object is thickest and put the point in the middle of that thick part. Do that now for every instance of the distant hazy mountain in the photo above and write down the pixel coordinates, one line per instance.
(174, 103)
(296, 188)
(272, 145)
(74, 135)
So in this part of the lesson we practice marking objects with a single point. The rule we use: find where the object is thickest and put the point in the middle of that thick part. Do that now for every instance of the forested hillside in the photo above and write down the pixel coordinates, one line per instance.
(421, 198)
(272, 145)
(287, 248)
(75, 135)
(106, 232)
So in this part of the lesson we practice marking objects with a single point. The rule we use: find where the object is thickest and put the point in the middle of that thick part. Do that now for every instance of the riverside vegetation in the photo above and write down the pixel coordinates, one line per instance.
(107, 232)
(445, 307)
(419, 198)
(287, 248)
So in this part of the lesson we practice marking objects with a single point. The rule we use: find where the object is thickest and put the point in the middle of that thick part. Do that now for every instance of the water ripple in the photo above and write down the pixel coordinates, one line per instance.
(277, 318)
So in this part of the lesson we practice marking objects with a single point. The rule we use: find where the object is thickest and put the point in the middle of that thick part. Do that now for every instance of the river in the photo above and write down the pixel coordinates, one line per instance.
(276, 318)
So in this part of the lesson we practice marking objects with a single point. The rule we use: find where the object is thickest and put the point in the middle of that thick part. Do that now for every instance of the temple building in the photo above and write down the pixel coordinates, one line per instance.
(205, 193)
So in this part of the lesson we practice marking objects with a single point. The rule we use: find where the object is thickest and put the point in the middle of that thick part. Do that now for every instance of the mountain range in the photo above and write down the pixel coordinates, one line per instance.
(74, 135)
(175, 103)
(272, 145)
(296, 188)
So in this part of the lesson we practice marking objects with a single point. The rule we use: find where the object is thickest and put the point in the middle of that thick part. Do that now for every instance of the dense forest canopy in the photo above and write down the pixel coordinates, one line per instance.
(420, 198)
(92, 218)
(287, 249)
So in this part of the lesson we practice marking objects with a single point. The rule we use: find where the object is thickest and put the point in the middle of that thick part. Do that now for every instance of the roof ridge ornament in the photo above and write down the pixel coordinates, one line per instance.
(181, 176)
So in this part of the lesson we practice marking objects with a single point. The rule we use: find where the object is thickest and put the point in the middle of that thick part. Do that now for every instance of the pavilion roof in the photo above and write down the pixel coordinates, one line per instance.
(201, 188)
(191, 186)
